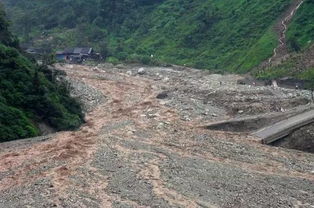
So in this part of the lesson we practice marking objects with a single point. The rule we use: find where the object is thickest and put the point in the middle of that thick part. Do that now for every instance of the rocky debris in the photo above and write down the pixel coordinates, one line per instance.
(194, 92)
(138, 151)
(162, 95)
(129, 73)
(106, 65)
(121, 66)
(210, 97)
(141, 71)
(88, 96)
(24, 143)
(96, 69)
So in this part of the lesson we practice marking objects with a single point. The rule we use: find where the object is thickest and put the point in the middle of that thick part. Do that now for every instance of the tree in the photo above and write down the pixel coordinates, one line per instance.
(103, 49)
(6, 37)
(49, 59)
(294, 45)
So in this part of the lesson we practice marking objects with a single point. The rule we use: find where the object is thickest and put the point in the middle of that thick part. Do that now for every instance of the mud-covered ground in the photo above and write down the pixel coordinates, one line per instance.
(144, 145)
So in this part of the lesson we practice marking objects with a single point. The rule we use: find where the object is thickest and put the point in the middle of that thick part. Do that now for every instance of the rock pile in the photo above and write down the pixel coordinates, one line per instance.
(88, 96)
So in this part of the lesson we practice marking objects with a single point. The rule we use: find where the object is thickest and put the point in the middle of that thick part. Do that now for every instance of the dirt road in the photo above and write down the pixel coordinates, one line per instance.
(140, 151)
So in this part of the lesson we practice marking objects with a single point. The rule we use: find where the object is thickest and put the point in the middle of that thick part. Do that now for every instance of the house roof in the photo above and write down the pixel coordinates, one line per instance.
(86, 50)
(34, 51)
(76, 51)
(25, 45)
(60, 52)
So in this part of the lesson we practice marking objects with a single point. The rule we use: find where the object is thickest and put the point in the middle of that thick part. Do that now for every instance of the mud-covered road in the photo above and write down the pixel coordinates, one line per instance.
(144, 145)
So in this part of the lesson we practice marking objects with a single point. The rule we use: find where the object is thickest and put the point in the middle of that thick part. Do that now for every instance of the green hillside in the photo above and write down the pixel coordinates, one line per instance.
(27, 96)
(300, 37)
(226, 35)
(212, 34)
(301, 31)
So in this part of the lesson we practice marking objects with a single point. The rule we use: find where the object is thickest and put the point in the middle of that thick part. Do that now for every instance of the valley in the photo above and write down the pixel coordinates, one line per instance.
(164, 103)
(145, 144)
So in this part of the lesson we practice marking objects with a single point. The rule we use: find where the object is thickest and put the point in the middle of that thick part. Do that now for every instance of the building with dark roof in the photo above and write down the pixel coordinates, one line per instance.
(76, 55)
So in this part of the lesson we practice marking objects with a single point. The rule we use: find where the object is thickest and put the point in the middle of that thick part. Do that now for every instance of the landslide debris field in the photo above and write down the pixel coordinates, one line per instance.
(145, 144)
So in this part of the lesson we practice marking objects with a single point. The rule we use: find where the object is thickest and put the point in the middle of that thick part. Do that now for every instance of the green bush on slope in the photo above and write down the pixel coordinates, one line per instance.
(29, 95)
(25, 88)
(15, 124)
(300, 33)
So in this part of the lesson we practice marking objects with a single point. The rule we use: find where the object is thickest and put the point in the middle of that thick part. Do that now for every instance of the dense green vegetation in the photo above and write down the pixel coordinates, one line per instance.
(301, 31)
(29, 94)
(294, 67)
(211, 34)
(300, 37)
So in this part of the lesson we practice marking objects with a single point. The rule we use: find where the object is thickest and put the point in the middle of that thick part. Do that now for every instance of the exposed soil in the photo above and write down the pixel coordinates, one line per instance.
(281, 51)
(144, 145)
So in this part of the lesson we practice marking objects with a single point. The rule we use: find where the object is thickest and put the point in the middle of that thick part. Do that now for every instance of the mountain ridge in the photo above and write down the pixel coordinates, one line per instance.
(216, 35)
(234, 36)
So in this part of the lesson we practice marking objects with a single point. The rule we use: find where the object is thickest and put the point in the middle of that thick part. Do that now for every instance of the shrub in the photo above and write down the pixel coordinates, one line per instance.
(113, 60)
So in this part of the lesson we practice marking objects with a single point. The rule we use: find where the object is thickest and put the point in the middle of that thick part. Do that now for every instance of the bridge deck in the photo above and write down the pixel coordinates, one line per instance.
(285, 127)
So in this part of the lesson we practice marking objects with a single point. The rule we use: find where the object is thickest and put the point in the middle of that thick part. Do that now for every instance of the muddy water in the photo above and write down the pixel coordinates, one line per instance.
(135, 151)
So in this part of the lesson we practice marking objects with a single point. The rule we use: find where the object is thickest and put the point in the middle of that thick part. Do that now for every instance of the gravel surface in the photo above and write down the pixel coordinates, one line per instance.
(87, 95)
(145, 145)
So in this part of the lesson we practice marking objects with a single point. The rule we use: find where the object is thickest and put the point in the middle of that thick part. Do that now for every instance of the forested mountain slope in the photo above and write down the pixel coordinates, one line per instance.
(226, 34)
(27, 96)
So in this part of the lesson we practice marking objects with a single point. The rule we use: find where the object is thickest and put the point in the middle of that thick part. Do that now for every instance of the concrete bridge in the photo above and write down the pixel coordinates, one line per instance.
(268, 128)
(283, 128)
